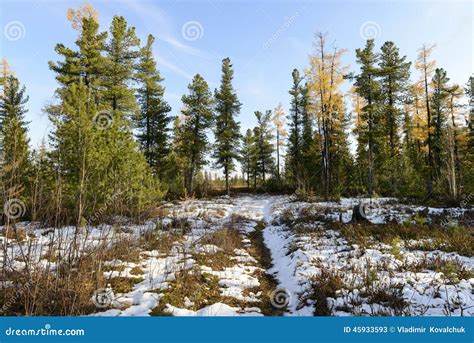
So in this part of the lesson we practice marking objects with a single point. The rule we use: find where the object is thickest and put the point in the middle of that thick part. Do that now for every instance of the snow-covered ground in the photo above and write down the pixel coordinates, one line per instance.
(205, 271)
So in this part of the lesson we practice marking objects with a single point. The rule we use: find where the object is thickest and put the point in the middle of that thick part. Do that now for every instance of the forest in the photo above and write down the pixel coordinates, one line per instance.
(119, 161)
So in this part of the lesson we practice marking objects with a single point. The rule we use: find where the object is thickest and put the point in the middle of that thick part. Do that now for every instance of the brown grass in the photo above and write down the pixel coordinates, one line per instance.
(460, 240)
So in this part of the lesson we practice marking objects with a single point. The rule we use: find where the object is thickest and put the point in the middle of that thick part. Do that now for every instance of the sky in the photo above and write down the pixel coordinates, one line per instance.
(265, 41)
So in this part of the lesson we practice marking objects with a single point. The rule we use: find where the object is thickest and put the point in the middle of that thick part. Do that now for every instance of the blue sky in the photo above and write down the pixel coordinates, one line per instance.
(264, 39)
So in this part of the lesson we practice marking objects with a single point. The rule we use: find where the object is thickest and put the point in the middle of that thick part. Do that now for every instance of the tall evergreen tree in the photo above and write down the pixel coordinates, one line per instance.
(264, 147)
(439, 119)
(198, 118)
(96, 156)
(15, 163)
(394, 73)
(368, 87)
(227, 129)
(247, 156)
(153, 120)
(295, 123)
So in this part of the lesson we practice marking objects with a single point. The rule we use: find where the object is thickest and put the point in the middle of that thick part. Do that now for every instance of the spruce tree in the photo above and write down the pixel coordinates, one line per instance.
(227, 129)
(153, 120)
(198, 118)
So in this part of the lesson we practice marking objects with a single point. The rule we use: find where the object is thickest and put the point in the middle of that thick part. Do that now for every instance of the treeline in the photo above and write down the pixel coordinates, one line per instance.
(115, 148)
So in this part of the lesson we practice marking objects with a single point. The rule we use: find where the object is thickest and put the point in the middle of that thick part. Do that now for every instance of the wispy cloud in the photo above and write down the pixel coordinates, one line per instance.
(159, 22)
(174, 68)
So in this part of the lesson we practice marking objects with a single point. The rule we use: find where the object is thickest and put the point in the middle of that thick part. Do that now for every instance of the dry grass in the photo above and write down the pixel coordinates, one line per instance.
(228, 239)
(324, 285)
(123, 284)
(460, 240)
(201, 289)
(453, 269)
(13, 233)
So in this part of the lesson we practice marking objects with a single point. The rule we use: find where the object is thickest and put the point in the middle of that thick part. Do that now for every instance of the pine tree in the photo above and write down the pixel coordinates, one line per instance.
(198, 117)
(247, 157)
(264, 147)
(153, 120)
(15, 163)
(368, 87)
(394, 73)
(439, 119)
(227, 129)
(96, 156)
(295, 121)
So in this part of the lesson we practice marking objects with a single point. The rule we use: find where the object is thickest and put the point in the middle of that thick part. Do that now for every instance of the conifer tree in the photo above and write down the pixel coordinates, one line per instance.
(394, 74)
(264, 147)
(227, 129)
(468, 160)
(153, 120)
(368, 87)
(15, 163)
(439, 119)
(247, 157)
(96, 156)
(426, 67)
(295, 123)
(325, 76)
(198, 118)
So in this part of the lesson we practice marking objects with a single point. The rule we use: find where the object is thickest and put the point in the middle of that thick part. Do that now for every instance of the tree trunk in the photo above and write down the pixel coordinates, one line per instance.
(358, 214)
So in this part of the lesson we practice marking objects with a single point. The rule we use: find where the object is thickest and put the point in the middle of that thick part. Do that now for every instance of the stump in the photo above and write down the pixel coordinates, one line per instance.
(358, 214)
